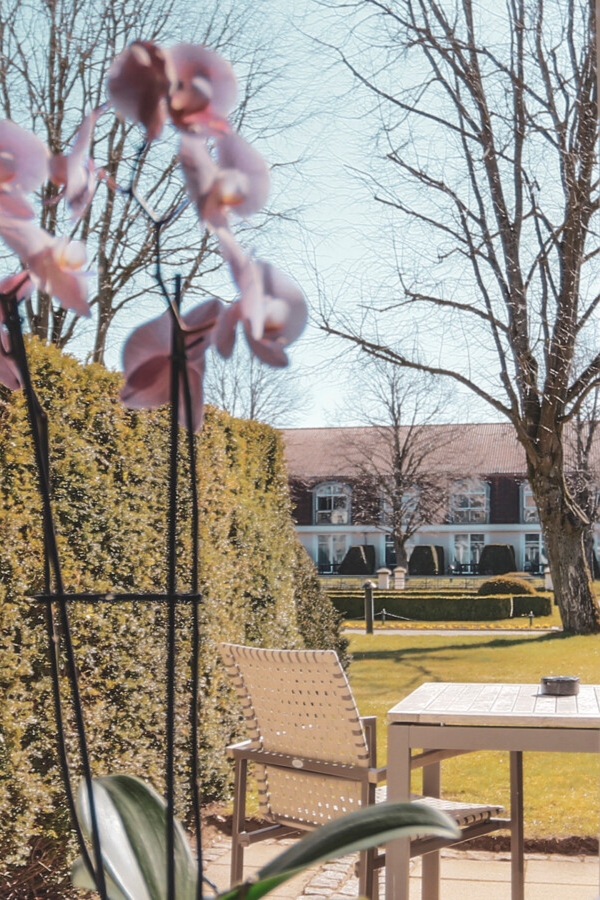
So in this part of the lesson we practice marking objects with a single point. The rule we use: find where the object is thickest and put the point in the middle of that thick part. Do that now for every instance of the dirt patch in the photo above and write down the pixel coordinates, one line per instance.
(572, 845)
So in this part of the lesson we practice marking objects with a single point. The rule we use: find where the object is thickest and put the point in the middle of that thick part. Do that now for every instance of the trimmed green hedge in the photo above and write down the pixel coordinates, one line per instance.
(110, 497)
(433, 607)
(506, 584)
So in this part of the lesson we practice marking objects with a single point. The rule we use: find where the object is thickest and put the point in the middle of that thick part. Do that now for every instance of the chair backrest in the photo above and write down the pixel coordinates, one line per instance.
(299, 703)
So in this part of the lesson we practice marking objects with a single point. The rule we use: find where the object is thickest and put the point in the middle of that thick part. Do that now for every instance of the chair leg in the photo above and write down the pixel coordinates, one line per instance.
(367, 875)
(238, 825)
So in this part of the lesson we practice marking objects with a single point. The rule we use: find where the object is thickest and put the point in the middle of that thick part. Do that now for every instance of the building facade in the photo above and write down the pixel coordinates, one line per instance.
(481, 474)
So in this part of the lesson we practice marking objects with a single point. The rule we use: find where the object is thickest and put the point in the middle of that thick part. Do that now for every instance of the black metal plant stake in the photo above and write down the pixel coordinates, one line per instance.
(55, 596)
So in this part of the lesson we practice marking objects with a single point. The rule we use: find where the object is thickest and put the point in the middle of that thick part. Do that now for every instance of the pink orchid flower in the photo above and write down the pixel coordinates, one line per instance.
(75, 170)
(271, 308)
(54, 263)
(23, 168)
(205, 92)
(240, 182)
(18, 286)
(139, 81)
(147, 361)
(57, 268)
(10, 375)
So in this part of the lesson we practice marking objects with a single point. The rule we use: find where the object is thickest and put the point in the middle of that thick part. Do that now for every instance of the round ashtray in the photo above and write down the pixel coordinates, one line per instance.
(560, 685)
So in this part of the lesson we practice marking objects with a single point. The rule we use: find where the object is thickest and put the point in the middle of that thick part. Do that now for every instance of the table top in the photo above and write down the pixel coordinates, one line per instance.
(442, 703)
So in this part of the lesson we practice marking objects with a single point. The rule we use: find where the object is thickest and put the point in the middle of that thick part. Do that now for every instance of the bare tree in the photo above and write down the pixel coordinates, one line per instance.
(396, 479)
(54, 57)
(584, 465)
(492, 161)
(248, 389)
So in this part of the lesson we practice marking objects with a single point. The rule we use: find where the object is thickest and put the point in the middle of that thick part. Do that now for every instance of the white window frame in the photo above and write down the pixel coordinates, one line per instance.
(473, 545)
(469, 502)
(337, 547)
(529, 510)
(540, 550)
(339, 508)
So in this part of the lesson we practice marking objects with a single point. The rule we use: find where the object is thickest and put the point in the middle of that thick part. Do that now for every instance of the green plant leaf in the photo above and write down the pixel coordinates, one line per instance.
(132, 821)
(357, 831)
(82, 879)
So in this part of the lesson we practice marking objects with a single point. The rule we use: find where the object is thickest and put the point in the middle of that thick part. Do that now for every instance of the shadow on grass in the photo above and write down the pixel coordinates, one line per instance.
(469, 644)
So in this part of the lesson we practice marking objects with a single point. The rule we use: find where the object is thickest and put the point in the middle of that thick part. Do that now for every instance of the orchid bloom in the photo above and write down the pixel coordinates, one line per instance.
(147, 360)
(76, 170)
(23, 168)
(139, 81)
(18, 286)
(240, 182)
(271, 307)
(205, 91)
(10, 376)
(54, 263)
(57, 268)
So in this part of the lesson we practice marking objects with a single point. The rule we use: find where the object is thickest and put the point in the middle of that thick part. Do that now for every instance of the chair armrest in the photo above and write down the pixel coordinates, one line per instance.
(369, 724)
(376, 776)
(238, 749)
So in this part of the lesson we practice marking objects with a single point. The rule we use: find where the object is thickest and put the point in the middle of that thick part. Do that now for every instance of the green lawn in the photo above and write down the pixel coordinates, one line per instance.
(561, 790)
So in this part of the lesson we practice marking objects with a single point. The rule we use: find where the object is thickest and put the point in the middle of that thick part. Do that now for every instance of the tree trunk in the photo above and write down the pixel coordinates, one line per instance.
(401, 555)
(564, 528)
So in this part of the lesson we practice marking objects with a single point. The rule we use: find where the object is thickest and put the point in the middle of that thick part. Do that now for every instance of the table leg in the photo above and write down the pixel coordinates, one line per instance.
(516, 826)
(432, 784)
(397, 853)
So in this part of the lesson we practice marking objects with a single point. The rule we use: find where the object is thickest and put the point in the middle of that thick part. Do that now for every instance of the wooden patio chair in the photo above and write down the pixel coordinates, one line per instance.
(314, 757)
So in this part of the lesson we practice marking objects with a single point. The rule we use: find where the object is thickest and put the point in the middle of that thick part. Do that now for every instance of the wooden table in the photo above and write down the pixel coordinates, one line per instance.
(448, 719)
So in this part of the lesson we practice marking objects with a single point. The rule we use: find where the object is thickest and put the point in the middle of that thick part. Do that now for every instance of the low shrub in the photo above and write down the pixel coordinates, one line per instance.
(426, 559)
(506, 584)
(496, 559)
(432, 607)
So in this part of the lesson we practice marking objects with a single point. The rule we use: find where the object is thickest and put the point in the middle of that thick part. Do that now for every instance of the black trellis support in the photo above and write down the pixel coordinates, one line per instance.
(195, 656)
(56, 598)
(52, 572)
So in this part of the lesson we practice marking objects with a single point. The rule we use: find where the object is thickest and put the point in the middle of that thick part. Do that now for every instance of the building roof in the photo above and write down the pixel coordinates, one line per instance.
(455, 450)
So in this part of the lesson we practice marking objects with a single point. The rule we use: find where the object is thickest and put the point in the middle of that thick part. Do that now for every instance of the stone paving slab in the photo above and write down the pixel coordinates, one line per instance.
(466, 875)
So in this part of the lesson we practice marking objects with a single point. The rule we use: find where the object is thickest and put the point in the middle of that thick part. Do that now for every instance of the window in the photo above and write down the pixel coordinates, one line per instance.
(529, 511)
(467, 551)
(469, 502)
(390, 552)
(534, 558)
(331, 550)
(332, 504)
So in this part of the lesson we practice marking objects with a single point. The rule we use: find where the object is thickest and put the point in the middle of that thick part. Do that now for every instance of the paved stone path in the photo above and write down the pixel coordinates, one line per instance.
(466, 875)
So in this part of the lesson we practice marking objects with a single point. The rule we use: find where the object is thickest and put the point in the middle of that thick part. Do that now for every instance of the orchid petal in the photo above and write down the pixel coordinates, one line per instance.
(139, 81)
(235, 153)
(10, 375)
(80, 169)
(20, 285)
(225, 330)
(199, 170)
(206, 89)
(200, 324)
(147, 361)
(24, 159)
(57, 269)
(23, 236)
(16, 205)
